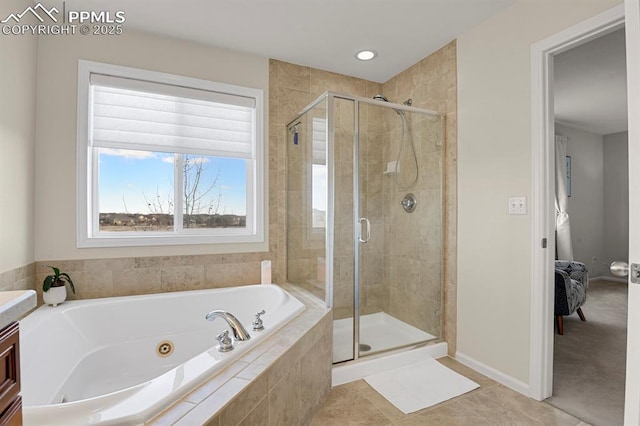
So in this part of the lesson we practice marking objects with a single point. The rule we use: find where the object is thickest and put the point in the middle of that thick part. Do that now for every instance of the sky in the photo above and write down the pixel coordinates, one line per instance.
(130, 179)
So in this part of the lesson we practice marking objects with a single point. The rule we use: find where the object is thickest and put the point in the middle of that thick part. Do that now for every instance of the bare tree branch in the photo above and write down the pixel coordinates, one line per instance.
(197, 197)
(202, 197)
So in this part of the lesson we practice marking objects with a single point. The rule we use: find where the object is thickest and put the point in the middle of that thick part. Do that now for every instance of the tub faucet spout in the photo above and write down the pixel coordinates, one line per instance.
(239, 332)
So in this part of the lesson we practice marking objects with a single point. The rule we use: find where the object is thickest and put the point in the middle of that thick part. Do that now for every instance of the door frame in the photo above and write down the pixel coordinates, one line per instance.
(632, 390)
(543, 189)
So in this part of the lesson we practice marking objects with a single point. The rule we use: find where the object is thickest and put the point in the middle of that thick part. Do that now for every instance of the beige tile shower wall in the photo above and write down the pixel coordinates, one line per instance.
(431, 83)
(291, 88)
(413, 251)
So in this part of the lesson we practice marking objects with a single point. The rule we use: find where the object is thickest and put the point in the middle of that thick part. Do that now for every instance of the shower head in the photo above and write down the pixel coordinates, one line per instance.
(380, 97)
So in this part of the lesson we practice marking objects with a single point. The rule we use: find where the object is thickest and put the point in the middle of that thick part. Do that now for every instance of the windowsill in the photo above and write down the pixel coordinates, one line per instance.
(166, 240)
(223, 244)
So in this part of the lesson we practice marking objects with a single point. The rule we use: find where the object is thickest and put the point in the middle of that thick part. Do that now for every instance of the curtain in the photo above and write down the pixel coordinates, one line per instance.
(563, 227)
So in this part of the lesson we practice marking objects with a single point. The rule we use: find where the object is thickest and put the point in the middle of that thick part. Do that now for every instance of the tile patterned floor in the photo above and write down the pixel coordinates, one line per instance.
(357, 403)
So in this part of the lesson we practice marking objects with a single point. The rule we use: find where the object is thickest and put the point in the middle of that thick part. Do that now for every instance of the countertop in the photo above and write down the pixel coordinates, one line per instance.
(14, 304)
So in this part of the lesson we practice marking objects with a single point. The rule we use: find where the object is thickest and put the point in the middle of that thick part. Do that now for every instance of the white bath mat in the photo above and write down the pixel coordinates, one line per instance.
(421, 385)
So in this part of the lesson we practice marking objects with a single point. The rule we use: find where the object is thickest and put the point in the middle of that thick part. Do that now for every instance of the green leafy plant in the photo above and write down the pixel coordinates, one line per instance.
(58, 279)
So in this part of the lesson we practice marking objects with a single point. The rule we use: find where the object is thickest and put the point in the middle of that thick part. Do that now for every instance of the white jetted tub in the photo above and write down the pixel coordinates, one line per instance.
(101, 361)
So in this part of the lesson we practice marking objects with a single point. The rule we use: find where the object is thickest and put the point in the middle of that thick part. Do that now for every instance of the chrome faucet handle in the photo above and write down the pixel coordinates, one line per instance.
(257, 323)
(239, 332)
(225, 344)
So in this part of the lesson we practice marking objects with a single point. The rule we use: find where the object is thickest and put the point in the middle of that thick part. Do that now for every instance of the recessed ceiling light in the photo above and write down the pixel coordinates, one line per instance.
(366, 55)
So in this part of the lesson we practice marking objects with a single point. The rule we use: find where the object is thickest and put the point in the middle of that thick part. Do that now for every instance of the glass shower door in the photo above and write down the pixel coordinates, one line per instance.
(344, 131)
(365, 220)
(320, 200)
(399, 221)
(307, 200)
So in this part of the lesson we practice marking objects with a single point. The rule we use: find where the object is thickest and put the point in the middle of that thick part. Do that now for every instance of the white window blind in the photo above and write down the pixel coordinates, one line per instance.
(141, 115)
(319, 140)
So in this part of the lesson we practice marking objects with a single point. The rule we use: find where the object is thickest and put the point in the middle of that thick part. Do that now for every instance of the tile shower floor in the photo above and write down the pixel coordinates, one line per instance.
(357, 403)
(379, 332)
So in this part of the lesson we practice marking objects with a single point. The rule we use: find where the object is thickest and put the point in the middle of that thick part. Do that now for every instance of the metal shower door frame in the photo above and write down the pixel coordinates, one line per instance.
(330, 97)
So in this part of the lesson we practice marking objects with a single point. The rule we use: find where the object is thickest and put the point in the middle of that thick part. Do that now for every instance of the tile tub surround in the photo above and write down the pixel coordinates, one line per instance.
(21, 278)
(95, 278)
(284, 380)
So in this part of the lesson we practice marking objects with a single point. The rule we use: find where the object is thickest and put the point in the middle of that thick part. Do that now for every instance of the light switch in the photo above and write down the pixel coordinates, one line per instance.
(518, 205)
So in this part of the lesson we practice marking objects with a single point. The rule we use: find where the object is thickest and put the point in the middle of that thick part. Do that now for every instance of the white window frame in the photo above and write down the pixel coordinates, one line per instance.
(88, 234)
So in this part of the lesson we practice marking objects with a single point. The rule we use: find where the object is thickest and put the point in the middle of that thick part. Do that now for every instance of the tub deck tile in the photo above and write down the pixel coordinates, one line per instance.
(256, 352)
(202, 413)
(202, 392)
(171, 416)
(261, 364)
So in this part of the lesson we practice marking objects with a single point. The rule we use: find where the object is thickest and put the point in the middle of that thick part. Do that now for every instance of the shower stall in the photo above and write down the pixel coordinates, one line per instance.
(365, 219)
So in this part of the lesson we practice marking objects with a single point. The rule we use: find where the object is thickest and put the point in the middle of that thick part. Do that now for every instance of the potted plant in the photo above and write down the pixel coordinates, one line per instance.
(54, 290)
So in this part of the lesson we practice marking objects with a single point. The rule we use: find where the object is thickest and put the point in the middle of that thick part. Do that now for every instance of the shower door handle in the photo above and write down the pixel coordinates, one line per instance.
(367, 231)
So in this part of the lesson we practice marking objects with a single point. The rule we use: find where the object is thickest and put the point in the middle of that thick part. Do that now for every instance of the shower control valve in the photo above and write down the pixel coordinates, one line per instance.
(409, 203)
(257, 323)
(225, 344)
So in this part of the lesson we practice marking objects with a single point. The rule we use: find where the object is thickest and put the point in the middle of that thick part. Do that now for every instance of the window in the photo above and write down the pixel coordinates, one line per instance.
(164, 159)
(319, 174)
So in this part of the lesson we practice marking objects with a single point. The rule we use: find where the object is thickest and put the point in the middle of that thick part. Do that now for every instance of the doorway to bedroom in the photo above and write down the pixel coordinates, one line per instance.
(592, 228)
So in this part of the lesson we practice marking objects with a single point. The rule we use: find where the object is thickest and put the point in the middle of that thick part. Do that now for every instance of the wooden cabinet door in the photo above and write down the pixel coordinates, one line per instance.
(10, 402)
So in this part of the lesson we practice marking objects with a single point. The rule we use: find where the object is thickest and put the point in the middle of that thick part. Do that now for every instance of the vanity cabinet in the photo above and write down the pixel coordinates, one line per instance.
(10, 399)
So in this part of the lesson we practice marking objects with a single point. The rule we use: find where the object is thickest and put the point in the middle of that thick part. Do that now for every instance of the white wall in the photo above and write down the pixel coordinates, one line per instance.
(55, 221)
(494, 163)
(586, 204)
(17, 143)
(616, 198)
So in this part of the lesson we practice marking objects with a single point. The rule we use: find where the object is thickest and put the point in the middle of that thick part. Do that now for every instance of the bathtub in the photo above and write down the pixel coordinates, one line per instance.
(103, 361)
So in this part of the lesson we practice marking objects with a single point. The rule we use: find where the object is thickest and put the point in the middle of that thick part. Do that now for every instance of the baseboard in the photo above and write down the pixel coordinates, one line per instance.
(606, 278)
(494, 374)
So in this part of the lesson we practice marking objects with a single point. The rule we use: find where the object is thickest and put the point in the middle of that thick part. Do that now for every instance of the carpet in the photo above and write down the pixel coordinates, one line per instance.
(420, 385)
(589, 359)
